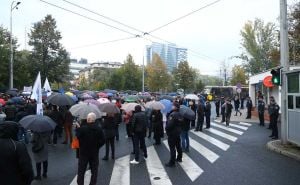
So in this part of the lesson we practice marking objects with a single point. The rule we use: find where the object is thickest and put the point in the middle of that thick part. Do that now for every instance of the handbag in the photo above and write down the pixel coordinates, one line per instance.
(75, 143)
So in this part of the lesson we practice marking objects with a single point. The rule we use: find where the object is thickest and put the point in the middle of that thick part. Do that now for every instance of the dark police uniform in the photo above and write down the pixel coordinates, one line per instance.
(173, 130)
(261, 112)
(274, 113)
(222, 110)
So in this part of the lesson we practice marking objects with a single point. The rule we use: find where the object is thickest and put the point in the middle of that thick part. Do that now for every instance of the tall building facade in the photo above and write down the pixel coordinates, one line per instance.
(169, 53)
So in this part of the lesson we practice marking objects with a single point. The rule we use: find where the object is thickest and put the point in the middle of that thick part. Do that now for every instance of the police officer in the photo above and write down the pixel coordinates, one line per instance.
(261, 111)
(200, 112)
(222, 109)
(217, 103)
(207, 114)
(249, 107)
(274, 113)
(173, 130)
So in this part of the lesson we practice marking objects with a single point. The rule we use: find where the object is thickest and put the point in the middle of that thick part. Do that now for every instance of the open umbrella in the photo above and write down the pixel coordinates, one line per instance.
(156, 105)
(85, 96)
(187, 113)
(109, 108)
(192, 97)
(103, 100)
(2, 102)
(60, 99)
(38, 123)
(81, 110)
(131, 98)
(102, 95)
(167, 97)
(17, 100)
(127, 107)
(91, 93)
(168, 106)
(12, 92)
(92, 101)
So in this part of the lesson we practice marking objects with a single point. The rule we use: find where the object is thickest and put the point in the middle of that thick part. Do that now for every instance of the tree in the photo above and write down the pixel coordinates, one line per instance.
(260, 42)
(116, 80)
(199, 85)
(294, 32)
(157, 74)
(48, 55)
(184, 76)
(238, 75)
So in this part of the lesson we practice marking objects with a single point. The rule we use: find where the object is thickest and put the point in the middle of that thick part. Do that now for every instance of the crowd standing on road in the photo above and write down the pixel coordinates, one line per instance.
(92, 132)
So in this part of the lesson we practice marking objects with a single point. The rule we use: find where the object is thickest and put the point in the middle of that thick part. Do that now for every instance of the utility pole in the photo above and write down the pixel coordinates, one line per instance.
(143, 80)
(284, 61)
(225, 76)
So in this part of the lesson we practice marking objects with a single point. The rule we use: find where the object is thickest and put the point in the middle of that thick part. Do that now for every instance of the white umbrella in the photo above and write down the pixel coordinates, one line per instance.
(103, 100)
(192, 97)
(127, 107)
(156, 105)
(81, 110)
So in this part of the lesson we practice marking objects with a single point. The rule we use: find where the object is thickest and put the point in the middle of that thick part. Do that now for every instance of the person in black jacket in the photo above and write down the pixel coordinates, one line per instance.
(200, 112)
(228, 110)
(57, 117)
(222, 109)
(157, 126)
(173, 129)
(15, 164)
(207, 113)
(261, 111)
(217, 104)
(109, 126)
(249, 107)
(139, 128)
(91, 139)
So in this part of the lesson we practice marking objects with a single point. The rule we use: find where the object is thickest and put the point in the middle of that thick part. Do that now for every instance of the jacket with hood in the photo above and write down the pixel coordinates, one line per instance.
(15, 163)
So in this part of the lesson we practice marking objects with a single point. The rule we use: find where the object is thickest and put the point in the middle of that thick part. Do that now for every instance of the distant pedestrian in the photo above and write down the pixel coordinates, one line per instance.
(57, 117)
(139, 128)
(91, 138)
(217, 104)
(173, 129)
(200, 115)
(228, 110)
(40, 153)
(157, 126)
(261, 111)
(236, 102)
(274, 113)
(10, 111)
(15, 162)
(68, 123)
(109, 125)
(222, 109)
(192, 106)
(207, 113)
(249, 107)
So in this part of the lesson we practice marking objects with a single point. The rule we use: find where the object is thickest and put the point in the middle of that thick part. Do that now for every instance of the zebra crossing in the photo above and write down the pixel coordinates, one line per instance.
(218, 136)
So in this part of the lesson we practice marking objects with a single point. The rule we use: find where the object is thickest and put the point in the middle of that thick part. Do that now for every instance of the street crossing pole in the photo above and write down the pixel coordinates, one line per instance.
(284, 61)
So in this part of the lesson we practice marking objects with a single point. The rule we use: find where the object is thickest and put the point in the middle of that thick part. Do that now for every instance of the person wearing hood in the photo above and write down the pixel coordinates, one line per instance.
(15, 163)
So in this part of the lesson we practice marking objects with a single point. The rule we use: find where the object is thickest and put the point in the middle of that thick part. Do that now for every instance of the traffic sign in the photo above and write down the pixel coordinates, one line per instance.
(238, 90)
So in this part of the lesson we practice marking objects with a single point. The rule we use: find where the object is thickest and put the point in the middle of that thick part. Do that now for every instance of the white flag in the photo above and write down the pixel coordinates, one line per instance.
(37, 94)
(47, 87)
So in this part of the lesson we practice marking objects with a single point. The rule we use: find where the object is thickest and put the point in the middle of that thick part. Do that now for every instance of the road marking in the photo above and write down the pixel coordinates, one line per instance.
(188, 165)
(205, 152)
(218, 121)
(226, 128)
(212, 140)
(246, 124)
(156, 169)
(121, 171)
(237, 126)
(87, 178)
(222, 134)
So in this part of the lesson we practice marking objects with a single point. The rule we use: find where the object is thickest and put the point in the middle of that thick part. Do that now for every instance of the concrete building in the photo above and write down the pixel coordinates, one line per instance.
(169, 53)
(75, 66)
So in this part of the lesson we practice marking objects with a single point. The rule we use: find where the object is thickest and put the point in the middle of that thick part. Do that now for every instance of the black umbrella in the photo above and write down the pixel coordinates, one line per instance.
(187, 113)
(109, 108)
(60, 99)
(12, 92)
(38, 123)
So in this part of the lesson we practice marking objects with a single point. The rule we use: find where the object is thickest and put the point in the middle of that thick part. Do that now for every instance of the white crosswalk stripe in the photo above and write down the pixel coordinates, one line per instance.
(236, 126)
(246, 124)
(188, 165)
(212, 140)
(121, 171)
(87, 178)
(205, 152)
(156, 169)
(227, 129)
(222, 134)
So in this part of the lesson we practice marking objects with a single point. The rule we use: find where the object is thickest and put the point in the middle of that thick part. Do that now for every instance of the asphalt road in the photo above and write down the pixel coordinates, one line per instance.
(237, 156)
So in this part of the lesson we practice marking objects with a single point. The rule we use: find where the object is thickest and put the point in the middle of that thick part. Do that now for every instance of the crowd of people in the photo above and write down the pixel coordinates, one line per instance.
(93, 133)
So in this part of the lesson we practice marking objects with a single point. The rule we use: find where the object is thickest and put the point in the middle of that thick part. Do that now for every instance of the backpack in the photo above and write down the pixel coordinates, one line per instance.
(38, 144)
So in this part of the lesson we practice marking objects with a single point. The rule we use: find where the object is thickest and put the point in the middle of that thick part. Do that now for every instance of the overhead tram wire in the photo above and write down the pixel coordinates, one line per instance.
(181, 17)
(135, 35)
(100, 43)
(95, 20)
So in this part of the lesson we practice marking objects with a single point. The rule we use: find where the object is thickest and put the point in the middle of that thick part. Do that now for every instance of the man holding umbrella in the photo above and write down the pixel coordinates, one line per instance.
(173, 129)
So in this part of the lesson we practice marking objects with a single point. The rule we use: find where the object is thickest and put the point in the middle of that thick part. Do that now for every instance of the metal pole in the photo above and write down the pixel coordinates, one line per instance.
(143, 85)
(284, 61)
(11, 80)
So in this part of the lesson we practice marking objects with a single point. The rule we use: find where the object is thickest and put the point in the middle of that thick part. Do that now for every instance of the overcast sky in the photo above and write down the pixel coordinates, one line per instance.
(213, 33)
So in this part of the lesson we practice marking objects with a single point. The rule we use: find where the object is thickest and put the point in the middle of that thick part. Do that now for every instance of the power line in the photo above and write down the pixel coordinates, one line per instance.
(186, 15)
(87, 17)
(99, 43)
(101, 15)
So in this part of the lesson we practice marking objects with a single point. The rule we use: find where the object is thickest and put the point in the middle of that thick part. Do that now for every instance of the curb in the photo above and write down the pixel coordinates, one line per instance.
(271, 145)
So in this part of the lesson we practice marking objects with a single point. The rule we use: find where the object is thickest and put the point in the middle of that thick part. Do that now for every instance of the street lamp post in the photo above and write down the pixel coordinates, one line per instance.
(11, 74)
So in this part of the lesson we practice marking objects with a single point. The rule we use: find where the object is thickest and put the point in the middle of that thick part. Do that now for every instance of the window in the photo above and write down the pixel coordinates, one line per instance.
(290, 102)
(293, 83)
(297, 102)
